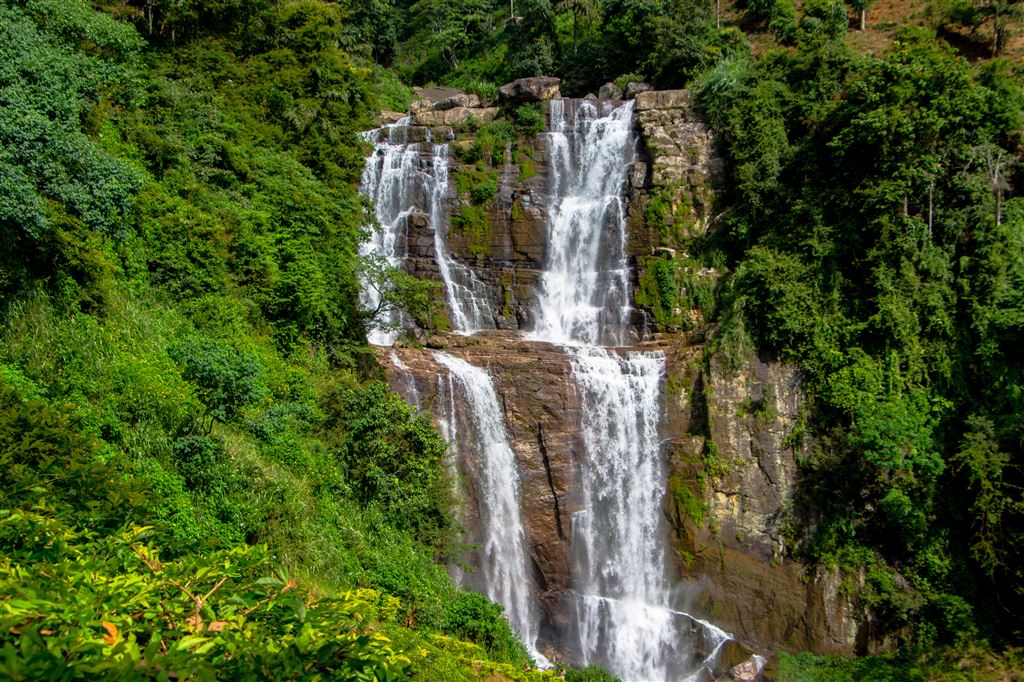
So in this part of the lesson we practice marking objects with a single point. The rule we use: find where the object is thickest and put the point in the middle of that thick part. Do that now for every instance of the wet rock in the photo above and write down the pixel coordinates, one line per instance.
(609, 91)
(530, 90)
(634, 88)
(747, 671)
(542, 411)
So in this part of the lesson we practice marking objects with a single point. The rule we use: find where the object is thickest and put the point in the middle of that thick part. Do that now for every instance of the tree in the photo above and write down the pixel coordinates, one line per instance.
(397, 293)
(451, 26)
(862, 7)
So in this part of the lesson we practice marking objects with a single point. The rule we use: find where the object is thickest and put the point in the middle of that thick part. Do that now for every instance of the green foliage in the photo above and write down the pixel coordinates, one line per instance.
(687, 501)
(822, 19)
(591, 673)
(625, 79)
(475, 618)
(392, 459)
(183, 347)
(110, 607)
(227, 379)
(473, 222)
(489, 144)
(856, 251)
(397, 291)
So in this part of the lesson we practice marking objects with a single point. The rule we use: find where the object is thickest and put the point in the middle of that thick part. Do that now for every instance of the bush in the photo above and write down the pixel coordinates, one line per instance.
(476, 618)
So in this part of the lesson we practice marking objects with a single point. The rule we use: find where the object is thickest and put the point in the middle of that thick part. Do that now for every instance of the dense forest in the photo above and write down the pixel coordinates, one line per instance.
(204, 475)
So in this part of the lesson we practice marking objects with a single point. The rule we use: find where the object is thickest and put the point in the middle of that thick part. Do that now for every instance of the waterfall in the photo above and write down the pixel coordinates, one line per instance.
(624, 611)
(400, 182)
(625, 616)
(584, 294)
(388, 179)
(503, 573)
(625, 621)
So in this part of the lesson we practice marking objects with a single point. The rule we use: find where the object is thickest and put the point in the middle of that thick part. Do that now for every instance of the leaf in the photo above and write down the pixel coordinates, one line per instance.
(190, 642)
(111, 637)
(269, 581)
(217, 626)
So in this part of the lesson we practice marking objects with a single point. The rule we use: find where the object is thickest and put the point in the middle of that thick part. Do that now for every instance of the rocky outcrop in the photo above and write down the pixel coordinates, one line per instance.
(686, 168)
(634, 88)
(456, 116)
(530, 90)
(732, 505)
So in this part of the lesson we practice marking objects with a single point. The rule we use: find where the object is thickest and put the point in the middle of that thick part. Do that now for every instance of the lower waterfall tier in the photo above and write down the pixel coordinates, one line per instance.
(563, 480)
(730, 563)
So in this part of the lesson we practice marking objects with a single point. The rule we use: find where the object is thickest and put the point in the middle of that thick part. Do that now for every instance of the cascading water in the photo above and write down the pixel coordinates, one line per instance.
(584, 294)
(503, 573)
(625, 618)
(624, 613)
(388, 179)
(401, 182)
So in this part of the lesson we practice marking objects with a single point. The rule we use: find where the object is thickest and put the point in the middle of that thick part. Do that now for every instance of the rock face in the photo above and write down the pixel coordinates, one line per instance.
(732, 526)
(684, 160)
(733, 554)
(530, 90)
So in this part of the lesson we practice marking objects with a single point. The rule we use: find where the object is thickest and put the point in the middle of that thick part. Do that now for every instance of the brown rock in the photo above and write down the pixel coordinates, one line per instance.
(435, 95)
(609, 91)
(663, 99)
(530, 90)
(458, 100)
(634, 88)
(388, 117)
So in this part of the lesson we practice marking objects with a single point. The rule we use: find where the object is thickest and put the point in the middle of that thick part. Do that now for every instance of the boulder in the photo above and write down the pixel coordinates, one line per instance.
(749, 670)
(663, 99)
(609, 91)
(389, 117)
(420, 105)
(633, 89)
(530, 90)
(460, 115)
(459, 100)
(435, 95)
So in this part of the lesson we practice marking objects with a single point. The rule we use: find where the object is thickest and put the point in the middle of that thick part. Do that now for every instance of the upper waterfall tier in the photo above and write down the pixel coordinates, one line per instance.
(584, 292)
(403, 179)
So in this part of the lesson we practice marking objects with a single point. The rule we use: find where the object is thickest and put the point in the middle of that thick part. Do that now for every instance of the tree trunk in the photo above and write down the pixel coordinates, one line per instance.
(863, 20)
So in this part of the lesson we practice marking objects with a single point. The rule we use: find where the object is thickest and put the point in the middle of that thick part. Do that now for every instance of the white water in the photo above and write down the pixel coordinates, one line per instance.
(400, 182)
(503, 571)
(388, 179)
(584, 292)
(625, 619)
(625, 616)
